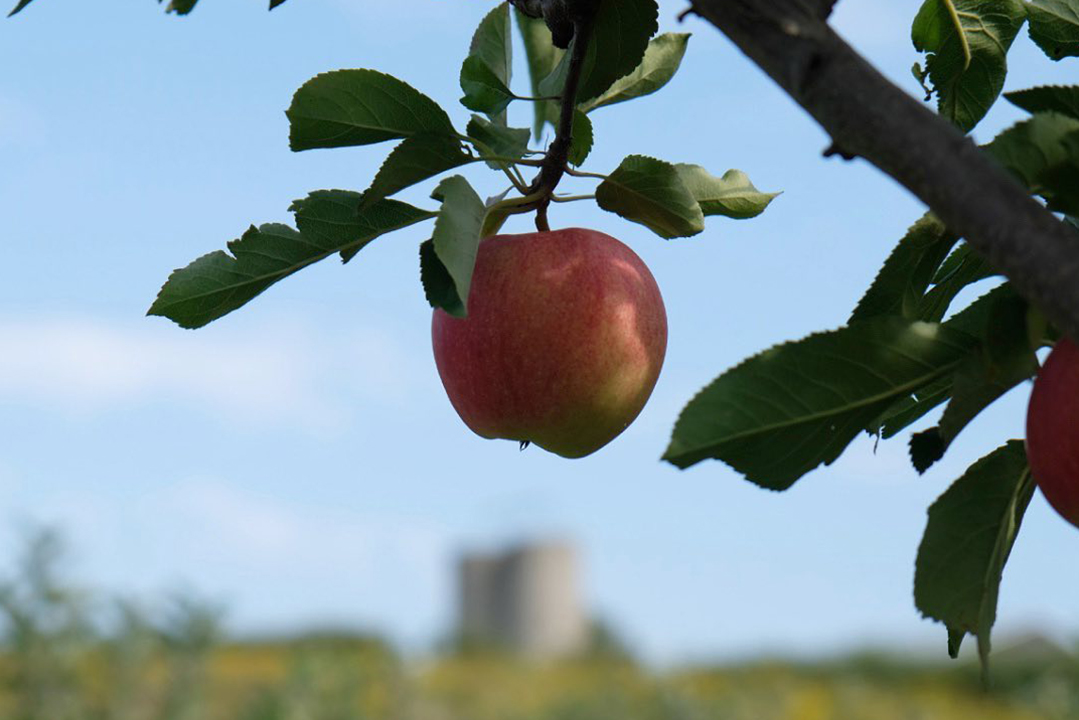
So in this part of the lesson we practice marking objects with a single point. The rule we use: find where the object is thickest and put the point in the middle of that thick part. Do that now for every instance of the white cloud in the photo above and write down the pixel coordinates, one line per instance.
(284, 374)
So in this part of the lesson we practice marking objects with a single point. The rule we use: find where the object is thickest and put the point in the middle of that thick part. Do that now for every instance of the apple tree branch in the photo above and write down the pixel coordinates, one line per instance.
(869, 117)
(567, 19)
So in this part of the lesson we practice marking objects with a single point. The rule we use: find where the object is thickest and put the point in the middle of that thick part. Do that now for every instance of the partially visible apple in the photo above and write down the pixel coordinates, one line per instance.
(1053, 430)
(563, 343)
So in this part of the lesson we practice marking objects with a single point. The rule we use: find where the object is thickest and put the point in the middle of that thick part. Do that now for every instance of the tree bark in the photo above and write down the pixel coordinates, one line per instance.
(868, 116)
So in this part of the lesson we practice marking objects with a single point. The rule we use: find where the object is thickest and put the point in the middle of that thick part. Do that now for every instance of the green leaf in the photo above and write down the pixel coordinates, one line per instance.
(732, 195)
(973, 318)
(19, 7)
(953, 263)
(457, 234)
(971, 321)
(582, 138)
(497, 140)
(619, 40)
(493, 45)
(180, 7)
(1004, 359)
(1063, 99)
(912, 408)
(1054, 27)
(414, 160)
(661, 61)
(962, 268)
(542, 58)
(484, 91)
(342, 221)
(902, 281)
(359, 107)
(218, 283)
(651, 192)
(970, 533)
(1043, 152)
(275, 3)
(438, 286)
(966, 52)
(784, 412)
(617, 46)
(552, 85)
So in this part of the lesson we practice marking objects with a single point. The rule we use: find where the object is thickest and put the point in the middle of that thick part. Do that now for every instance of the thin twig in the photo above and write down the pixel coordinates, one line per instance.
(556, 161)
(583, 174)
(520, 178)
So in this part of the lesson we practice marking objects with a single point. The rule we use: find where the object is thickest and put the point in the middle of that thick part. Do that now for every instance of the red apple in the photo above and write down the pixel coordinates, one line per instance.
(1053, 430)
(563, 343)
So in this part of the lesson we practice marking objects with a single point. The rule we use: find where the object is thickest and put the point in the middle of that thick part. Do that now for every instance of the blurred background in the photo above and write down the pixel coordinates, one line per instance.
(281, 516)
(523, 646)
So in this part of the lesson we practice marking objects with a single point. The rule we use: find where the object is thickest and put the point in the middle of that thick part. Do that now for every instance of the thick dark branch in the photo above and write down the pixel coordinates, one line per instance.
(824, 8)
(868, 116)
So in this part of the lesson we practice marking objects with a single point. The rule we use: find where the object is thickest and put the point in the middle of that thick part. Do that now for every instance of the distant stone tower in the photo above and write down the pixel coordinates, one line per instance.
(526, 599)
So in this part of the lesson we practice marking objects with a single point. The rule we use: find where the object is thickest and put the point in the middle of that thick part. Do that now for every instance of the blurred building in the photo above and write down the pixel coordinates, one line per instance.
(526, 599)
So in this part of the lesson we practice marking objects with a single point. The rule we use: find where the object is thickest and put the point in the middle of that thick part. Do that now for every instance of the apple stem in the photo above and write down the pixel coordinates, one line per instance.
(541, 219)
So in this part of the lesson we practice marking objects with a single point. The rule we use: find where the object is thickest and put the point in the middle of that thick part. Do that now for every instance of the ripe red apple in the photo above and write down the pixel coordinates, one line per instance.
(563, 343)
(1053, 430)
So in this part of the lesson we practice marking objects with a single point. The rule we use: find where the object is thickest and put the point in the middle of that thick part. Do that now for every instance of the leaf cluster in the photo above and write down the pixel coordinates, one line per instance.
(905, 351)
(966, 44)
(346, 108)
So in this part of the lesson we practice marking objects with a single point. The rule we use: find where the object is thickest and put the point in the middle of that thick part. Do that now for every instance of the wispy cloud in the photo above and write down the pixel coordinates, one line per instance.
(287, 374)
(273, 562)
(261, 530)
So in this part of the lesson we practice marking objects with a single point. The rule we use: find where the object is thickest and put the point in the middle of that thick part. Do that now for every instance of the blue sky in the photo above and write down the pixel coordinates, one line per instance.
(298, 459)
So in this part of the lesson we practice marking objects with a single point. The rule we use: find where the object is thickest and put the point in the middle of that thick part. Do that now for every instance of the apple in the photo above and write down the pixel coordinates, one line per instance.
(563, 342)
(1053, 430)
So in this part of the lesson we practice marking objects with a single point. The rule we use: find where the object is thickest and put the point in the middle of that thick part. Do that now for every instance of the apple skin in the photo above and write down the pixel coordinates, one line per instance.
(1053, 430)
(563, 343)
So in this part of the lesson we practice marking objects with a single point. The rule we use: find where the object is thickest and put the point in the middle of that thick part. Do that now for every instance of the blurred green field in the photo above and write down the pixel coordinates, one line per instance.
(67, 655)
